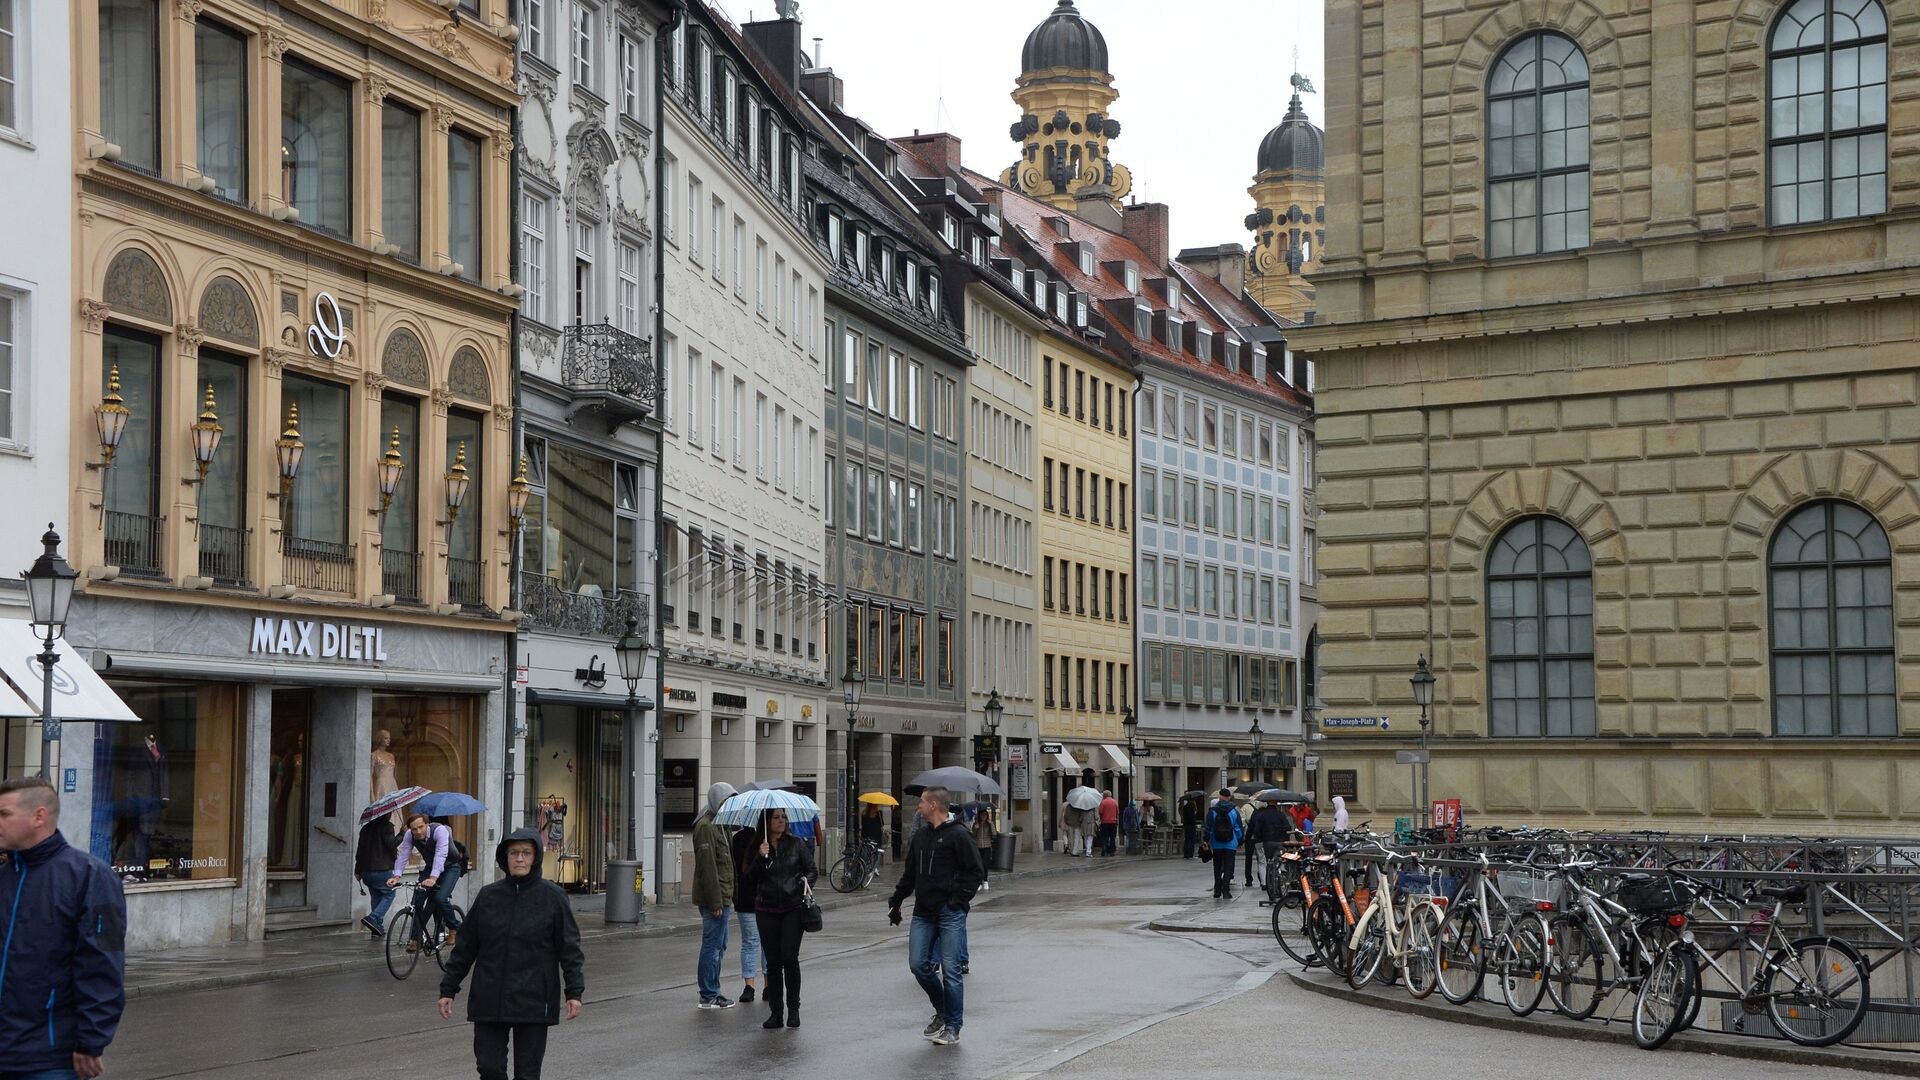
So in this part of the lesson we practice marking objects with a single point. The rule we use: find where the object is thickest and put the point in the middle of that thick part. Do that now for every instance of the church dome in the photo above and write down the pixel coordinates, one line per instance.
(1064, 40)
(1295, 145)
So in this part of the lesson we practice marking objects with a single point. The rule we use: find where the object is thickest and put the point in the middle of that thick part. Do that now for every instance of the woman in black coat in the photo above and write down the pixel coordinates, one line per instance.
(780, 875)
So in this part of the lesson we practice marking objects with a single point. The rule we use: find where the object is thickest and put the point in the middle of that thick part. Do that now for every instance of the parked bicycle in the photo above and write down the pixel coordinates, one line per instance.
(1487, 932)
(855, 869)
(1404, 933)
(433, 939)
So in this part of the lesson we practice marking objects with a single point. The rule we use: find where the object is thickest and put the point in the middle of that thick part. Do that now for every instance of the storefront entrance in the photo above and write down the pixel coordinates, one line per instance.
(579, 788)
(287, 768)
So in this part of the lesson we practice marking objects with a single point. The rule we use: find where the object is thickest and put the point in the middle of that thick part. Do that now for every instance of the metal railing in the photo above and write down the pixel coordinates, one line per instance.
(133, 541)
(400, 574)
(546, 605)
(320, 565)
(465, 585)
(611, 366)
(223, 553)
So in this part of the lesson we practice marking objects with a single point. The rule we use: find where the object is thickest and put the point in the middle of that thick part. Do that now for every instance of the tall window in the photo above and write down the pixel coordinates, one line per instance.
(220, 97)
(10, 305)
(316, 146)
(1540, 630)
(583, 42)
(1827, 120)
(223, 497)
(536, 29)
(629, 78)
(400, 527)
(533, 255)
(627, 302)
(132, 500)
(465, 157)
(400, 178)
(463, 532)
(1832, 619)
(1537, 147)
(9, 65)
(318, 508)
(130, 80)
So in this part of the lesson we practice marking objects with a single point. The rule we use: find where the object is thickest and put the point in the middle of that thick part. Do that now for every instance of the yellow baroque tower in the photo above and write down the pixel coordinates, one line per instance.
(1064, 92)
(1289, 222)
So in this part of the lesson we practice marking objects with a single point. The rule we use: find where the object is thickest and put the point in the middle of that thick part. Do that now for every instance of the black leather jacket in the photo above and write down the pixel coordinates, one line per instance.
(776, 877)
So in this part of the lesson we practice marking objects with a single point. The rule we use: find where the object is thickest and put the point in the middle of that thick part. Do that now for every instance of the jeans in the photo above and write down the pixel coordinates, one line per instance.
(1223, 871)
(781, 934)
(1107, 834)
(713, 946)
(442, 898)
(376, 883)
(934, 946)
(47, 1074)
(752, 962)
(490, 1050)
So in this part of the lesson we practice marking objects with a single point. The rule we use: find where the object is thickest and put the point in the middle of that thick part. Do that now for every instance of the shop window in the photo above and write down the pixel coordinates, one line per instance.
(167, 789)
(431, 740)
(575, 544)
(316, 146)
(130, 80)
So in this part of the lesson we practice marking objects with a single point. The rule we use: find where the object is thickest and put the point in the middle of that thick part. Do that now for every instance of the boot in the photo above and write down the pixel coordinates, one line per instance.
(793, 1014)
(775, 1016)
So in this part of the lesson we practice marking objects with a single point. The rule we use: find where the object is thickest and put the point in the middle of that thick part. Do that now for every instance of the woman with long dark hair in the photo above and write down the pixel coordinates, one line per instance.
(780, 875)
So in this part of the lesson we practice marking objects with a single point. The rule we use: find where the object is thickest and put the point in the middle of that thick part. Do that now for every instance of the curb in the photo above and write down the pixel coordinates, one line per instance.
(648, 930)
(1751, 1048)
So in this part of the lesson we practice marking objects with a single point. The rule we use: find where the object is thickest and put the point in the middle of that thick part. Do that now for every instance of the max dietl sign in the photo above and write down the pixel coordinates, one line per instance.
(316, 640)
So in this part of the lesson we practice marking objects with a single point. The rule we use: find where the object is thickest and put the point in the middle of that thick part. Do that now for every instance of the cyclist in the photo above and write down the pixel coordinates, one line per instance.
(443, 860)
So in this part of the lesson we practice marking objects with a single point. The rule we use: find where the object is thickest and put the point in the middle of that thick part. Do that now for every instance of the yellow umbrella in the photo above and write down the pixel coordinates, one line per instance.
(879, 798)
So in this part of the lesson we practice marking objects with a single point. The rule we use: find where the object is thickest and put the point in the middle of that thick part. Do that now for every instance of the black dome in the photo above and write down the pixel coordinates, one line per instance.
(1295, 145)
(1064, 40)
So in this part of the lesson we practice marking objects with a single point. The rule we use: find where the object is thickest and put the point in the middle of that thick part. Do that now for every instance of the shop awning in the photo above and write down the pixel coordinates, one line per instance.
(1063, 761)
(78, 693)
(1122, 762)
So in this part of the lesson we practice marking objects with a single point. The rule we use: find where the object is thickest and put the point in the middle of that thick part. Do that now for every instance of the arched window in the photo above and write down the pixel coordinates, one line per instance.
(1832, 606)
(1540, 631)
(1537, 147)
(1827, 115)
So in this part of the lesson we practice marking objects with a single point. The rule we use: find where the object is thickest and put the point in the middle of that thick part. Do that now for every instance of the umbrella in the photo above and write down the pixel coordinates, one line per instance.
(879, 798)
(1196, 793)
(1149, 797)
(1083, 798)
(1281, 795)
(955, 778)
(747, 807)
(1249, 789)
(769, 785)
(448, 804)
(391, 801)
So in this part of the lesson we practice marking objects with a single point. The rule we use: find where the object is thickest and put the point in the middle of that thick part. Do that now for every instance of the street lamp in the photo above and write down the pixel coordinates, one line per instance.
(457, 483)
(206, 437)
(1255, 737)
(1423, 696)
(288, 449)
(992, 710)
(630, 652)
(392, 466)
(1130, 723)
(850, 686)
(49, 599)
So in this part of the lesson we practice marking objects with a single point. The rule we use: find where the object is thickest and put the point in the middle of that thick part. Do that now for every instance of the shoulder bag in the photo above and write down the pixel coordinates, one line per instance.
(811, 920)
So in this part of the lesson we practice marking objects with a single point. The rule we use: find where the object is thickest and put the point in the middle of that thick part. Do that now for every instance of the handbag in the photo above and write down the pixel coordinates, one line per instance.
(811, 920)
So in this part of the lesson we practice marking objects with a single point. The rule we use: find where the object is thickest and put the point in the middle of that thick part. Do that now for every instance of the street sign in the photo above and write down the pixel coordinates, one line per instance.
(1353, 721)
(1312, 763)
(1412, 757)
(1050, 747)
(1142, 751)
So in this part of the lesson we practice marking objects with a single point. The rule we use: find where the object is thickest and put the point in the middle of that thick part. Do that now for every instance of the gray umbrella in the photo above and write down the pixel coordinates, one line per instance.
(778, 784)
(955, 778)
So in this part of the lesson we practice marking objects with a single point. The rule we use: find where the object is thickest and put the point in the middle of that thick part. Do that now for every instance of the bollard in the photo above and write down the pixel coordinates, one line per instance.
(623, 891)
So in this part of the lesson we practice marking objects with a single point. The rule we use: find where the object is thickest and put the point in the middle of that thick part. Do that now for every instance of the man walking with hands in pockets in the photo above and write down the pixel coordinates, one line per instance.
(942, 873)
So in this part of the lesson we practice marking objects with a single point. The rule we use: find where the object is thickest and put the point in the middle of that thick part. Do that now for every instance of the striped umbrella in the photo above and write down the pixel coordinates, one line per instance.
(391, 801)
(747, 807)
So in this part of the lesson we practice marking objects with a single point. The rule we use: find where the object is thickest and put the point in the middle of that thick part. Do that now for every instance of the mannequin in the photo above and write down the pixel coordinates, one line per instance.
(289, 778)
(383, 773)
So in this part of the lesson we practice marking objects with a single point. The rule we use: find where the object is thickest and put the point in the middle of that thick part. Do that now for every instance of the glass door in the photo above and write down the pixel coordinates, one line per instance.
(287, 782)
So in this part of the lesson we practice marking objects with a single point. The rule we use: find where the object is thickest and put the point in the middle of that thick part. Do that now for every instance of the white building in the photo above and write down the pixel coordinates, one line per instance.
(742, 362)
(36, 302)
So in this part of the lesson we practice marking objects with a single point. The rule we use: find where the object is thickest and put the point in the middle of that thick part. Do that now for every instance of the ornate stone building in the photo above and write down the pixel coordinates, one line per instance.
(1289, 221)
(1064, 130)
(1618, 411)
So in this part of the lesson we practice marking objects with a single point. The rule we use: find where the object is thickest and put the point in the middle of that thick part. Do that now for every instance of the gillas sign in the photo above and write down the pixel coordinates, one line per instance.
(317, 640)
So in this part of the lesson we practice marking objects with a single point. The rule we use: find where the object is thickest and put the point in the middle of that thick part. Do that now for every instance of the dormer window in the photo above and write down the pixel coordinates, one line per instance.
(1203, 343)
(1060, 303)
(933, 292)
(1173, 292)
(979, 249)
(860, 250)
(1080, 311)
(913, 279)
(950, 231)
(834, 234)
(1132, 279)
(1143, 321)
(1039, 289)
(1174, 326)
(1086, 259)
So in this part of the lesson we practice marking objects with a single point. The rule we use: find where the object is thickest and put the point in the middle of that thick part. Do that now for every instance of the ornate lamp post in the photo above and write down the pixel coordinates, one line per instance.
(49, 597)
(1130, 724)
(991, 711)
(850, 685)
(1256, 737)
(630, 652)
(1423, 696)
(390, 469)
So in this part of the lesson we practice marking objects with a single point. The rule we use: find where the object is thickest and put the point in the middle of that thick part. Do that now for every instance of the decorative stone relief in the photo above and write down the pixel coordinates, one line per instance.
(503, 417)
(404, 360)
(187, 10)
(277, 39)
(188, 339)
(135, 286)
(376, 383)
(94, 314)
(377, 87)
(591, 153)
(467, 376)
(226, 312)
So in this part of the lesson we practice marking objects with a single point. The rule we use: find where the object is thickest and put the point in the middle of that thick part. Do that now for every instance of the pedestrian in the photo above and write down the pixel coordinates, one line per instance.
(712, 895)
(373, 864)
(746, 848)
(781, 876)
(1070, 827)
(1109, 812)
(1246, 809)
(981, 824)
(1190, 811)
(942, 873)
(1130, 824)
(1339, 813)
(523, 948)
(1224, 832)
(64, 957)
(442, 861)
(1089, 828)
(1269, 827)
(872, 824)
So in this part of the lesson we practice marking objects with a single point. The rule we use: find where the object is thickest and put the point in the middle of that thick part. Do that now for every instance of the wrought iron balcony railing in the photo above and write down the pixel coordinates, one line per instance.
(466, 582)
(400, 574)
(133, 541)
(546, 605)
(320, 565)
(223, 553)
(609, 371)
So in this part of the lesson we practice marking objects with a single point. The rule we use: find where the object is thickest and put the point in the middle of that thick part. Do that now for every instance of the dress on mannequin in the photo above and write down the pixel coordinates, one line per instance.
(384, 781)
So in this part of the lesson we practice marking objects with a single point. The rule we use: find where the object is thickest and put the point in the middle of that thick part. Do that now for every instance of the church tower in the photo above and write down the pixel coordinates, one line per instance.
(1289, 223)
(1064, 92)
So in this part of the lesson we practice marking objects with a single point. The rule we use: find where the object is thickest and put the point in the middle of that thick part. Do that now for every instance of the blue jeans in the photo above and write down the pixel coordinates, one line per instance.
(751, 962)
(713, 946)
(43, 1074)
(442, 899)
(933, 953)
(376, 883)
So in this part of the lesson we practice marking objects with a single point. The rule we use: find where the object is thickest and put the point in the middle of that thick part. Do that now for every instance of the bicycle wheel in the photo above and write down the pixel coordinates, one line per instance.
(1290, 929)
(846, 874)
(1574, 979)
(1327, 926)
(1523, 964)
(400, 962)
(1817, 990)
(870, 870)
(439, 938)
(1460, 955)
(1420, 969)
(1369, 946)
(1666, 996)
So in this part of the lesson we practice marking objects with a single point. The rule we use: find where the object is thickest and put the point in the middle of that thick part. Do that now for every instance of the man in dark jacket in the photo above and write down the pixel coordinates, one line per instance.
(1266, 831)
(942, 873)
(1190, 808)
(523, 947)
(372, 864)
(63, 963)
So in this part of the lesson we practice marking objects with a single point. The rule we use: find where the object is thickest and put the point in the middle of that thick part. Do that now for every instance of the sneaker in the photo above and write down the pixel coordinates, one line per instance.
(934, 1027)
(448, 943)
(966, 969)
(947, 1037)
(373, 927)
(717, 1001)
(746, 996)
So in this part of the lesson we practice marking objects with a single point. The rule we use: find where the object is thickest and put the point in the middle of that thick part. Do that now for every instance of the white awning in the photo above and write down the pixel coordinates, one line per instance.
(1063, 761)
(79, 694)
(1121, 761)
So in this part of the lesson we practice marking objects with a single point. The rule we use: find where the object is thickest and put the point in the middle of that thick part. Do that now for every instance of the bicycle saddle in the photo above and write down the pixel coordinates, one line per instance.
(1792, 894)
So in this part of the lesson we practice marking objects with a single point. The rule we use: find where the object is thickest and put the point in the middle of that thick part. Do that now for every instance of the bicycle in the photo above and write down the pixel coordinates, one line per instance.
(1598, 945)
(1380, 933)
(400, 960)
(856, 868)
(1815, 989)
(1310, 875)
(1518, 938)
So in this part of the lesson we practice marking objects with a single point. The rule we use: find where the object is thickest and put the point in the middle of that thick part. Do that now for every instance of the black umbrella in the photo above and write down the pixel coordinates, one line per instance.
(1196, 793)
(1281, 795)
(955, 778)
(1251, 788)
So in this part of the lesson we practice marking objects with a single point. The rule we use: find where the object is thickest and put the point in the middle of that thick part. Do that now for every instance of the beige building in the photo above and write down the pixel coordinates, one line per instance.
(1619, 412)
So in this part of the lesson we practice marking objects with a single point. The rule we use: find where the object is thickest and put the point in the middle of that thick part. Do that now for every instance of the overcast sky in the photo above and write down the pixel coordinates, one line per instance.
(1200, 83)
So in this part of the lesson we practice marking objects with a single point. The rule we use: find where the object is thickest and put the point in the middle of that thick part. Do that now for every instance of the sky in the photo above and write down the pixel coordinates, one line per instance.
(1200, 82)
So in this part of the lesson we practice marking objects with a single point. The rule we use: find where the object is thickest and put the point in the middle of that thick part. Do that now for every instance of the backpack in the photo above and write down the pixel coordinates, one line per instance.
(1223, 824)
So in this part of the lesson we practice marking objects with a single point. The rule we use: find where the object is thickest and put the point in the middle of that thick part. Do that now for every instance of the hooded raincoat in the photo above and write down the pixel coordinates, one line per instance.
(521, 944)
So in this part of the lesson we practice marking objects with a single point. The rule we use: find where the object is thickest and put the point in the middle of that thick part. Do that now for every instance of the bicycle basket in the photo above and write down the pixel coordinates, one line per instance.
(1414, 883)
(1648, 894)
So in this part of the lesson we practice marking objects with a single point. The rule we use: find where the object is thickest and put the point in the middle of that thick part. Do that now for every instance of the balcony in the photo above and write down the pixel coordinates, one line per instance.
(610, 373)
(466, 582)
(547, 606)
(319, 565)
(400, 575)
(133, 542)
(223, 553)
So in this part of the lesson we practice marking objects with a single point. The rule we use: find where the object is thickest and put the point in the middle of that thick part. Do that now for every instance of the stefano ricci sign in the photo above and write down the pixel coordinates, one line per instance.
(317, 640)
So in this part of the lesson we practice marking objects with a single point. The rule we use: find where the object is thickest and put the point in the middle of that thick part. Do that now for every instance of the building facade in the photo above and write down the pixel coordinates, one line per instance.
(1617, 413)
(744, 359)
(590, 429)
(291, 226)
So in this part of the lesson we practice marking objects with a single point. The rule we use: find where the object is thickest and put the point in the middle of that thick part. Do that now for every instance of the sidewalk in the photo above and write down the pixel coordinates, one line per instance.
(177, 971)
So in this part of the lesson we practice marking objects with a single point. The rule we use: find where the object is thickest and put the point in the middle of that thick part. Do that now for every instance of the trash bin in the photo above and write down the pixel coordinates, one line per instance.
(1004, 846)
(623, 891)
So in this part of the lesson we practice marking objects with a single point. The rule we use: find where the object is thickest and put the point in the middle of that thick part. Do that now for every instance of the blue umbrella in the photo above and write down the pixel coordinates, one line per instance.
(448, 804)
(747, 807)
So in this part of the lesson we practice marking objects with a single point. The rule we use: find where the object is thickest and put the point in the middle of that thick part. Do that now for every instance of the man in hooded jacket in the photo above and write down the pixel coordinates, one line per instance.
(941, 872)
(523, 948)
(712, 895)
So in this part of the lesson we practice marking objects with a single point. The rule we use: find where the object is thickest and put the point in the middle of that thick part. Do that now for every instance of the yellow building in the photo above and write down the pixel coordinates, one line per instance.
(1289, 221)
(292, 227)
(1064, 93)
(1619, 413)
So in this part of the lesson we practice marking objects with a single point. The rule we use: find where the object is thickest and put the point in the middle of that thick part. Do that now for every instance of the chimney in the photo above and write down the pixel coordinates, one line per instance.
(1146, 226)
(1094, 204)
(1226, 264)
(939, 150)
(778, 40)
(825, 88)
